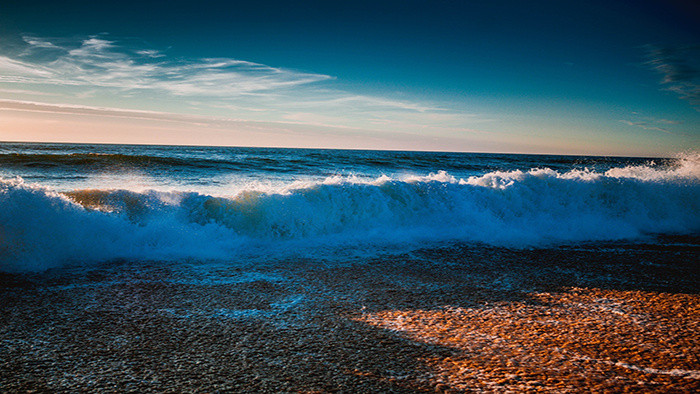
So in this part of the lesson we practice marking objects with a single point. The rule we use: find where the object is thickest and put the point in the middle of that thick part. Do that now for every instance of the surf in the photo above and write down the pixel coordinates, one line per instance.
(42, 228)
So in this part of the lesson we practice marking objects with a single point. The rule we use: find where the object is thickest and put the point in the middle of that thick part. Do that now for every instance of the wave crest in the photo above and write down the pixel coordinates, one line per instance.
(40, 228)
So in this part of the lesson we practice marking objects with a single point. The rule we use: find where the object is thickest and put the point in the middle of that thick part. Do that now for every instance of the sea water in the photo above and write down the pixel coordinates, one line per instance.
(64, 204)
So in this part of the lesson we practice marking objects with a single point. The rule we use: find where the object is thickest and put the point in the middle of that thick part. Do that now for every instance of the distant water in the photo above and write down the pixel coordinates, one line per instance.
(75, 204)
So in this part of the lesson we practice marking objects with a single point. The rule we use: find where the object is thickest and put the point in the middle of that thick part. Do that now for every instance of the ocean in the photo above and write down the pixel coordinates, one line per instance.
(78, 204)
(182, 269)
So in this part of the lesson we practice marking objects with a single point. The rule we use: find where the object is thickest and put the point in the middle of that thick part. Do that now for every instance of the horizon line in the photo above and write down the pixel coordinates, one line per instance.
(330, 148)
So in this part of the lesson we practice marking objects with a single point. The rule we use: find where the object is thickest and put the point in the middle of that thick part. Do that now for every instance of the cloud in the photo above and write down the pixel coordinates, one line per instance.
(71, 109)
(36, 42)
(98, 62)
(150, 53)
(354, 102)
(645, 126)
(300, 122)
(10, 68)
(651, 123)
(27, 92)
(118, 73)
(678, 67)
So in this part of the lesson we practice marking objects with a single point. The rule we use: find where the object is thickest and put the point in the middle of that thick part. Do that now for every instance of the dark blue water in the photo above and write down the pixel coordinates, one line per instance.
(68, 203)
(72, 166)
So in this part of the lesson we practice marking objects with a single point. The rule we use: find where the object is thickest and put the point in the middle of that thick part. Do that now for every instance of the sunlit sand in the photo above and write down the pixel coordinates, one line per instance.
(449, 319)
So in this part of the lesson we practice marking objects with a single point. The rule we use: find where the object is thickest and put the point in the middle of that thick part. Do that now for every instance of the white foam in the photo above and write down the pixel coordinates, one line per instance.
(40, 228)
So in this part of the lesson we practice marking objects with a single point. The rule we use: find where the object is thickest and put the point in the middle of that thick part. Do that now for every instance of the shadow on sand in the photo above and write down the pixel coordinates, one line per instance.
(607, 317)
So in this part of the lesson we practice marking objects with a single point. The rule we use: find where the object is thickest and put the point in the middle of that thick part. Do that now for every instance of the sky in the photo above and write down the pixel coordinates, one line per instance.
(598, 77)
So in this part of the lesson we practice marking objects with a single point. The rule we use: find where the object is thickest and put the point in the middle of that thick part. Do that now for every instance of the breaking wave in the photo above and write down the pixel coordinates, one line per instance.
(41, 228)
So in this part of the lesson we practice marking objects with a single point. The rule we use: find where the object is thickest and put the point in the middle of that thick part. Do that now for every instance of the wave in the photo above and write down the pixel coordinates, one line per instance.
(41, 228)
(48, 160)
(272, 160)
(101, 161)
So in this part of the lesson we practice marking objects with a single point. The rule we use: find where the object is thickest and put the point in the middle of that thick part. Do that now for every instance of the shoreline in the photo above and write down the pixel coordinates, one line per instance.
(616, 317)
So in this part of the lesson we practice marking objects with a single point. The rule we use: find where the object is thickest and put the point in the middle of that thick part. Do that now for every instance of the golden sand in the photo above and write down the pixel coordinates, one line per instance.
(582, 339)
(447, 320)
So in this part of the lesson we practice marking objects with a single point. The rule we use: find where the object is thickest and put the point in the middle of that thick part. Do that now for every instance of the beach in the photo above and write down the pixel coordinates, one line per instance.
(613, 317)
(129, 268)
(350, 197)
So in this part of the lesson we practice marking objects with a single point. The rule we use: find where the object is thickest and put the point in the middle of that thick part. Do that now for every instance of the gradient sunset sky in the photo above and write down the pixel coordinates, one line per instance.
(596, 77)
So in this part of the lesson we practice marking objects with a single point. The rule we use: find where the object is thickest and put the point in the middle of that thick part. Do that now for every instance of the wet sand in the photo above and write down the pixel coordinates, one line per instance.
(606, 318)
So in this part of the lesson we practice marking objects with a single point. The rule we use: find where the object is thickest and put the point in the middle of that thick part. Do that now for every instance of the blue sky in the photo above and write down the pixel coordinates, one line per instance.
(536, 77)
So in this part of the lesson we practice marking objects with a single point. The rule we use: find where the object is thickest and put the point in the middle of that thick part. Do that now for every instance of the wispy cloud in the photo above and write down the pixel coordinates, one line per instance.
(98, 62)
(26, 92)
(120, 74)
(84, 110)
(36, 42)
(354, 102)
(150, 53)
(651, 123)
(678, 67)
(646, 126)
(12, 69)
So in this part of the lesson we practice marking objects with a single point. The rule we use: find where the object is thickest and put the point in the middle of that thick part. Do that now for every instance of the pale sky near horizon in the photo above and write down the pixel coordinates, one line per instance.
(608, 78)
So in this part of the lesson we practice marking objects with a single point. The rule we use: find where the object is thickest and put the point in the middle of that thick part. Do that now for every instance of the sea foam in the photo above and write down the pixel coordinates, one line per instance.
(41, 228)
